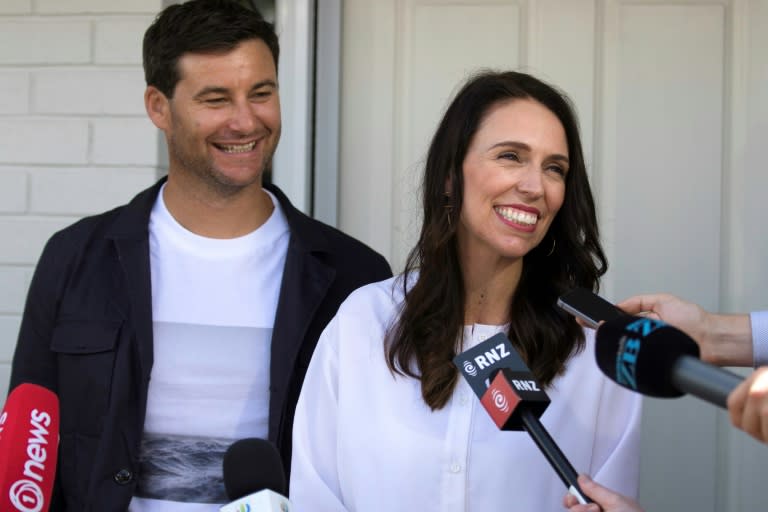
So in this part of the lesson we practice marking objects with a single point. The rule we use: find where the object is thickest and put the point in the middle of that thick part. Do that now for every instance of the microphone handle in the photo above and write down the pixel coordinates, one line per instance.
(703, 380)
(553, 453)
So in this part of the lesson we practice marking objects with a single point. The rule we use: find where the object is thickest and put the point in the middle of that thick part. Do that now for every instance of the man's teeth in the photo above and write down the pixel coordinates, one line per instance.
(237, 148)
(517, 216)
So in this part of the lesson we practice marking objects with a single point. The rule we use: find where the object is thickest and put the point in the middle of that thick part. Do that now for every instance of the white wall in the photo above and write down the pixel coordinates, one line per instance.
(74, 138)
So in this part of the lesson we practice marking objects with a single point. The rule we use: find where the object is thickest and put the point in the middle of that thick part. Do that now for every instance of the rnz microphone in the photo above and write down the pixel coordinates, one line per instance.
(512, 397)
(655, 359)
(29, 444)
(254, 477)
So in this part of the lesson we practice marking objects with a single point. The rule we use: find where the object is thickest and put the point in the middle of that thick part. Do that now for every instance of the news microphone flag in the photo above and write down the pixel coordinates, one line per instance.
(512, 397)
(29, 443)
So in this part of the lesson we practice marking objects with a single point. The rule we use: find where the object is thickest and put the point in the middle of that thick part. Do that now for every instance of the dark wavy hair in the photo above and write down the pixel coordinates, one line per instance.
(428, 333)
(199, 26)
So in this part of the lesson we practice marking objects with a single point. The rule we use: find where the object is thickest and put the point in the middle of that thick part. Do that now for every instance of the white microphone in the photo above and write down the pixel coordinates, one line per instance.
(254, 477)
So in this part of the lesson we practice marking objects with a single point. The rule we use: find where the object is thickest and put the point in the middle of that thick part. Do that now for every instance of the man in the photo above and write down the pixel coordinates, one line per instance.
(725, 340)
(176, 324)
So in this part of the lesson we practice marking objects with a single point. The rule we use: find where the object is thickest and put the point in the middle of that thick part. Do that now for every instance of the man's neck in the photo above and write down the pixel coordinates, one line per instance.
(212, 215)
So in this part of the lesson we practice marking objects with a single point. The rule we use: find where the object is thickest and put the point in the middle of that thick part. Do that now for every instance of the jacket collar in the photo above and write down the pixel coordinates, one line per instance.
(305, 282)
(133, 220)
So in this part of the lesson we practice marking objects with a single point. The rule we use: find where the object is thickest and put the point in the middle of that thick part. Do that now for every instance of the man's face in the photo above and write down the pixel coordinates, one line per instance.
(223, 122)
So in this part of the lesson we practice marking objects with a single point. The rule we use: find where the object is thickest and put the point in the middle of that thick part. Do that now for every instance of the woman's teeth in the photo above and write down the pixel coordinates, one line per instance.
(517, 216)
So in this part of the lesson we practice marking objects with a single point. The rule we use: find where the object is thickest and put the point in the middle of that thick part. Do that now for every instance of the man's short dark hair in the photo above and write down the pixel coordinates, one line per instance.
(199, 26)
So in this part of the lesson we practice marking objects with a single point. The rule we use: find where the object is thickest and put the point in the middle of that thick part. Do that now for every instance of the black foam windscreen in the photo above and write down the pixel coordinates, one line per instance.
(640, 353)
(252, 465)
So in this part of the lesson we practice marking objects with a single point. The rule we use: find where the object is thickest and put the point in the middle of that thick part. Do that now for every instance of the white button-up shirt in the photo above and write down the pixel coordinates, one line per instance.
(365, 440)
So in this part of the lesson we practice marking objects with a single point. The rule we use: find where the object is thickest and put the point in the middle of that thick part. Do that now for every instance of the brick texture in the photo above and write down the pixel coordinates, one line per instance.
(74, 137)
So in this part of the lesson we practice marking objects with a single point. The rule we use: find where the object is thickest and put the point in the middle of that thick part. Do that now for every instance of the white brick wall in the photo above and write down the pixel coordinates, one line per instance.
(16, 7)
(89, 91)
(14, 92)
(13, 191)
(118, 40)
(74, 137)
(100, 189)
(45, 41)
(97, 6)
(14, 282)
(125, 141)
(43, 141)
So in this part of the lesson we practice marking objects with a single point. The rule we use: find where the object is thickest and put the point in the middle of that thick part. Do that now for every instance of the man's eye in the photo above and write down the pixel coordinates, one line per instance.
(215, 101)
(262, 94)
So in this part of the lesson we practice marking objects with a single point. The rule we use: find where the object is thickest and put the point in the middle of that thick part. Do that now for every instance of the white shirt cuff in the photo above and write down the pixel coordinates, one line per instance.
(759, 321)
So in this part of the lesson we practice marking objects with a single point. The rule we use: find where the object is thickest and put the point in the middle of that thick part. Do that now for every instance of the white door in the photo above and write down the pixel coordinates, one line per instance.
(673, 103)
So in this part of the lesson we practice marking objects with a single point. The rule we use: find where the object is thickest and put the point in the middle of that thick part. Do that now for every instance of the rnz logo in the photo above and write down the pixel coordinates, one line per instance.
(470, 368)
(500, 400)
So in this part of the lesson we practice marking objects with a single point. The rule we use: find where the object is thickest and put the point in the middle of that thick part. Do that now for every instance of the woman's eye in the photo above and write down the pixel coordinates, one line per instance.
(557, 169)
(510, 155)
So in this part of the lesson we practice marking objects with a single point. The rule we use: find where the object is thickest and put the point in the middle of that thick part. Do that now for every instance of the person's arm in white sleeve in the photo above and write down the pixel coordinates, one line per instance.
(314, 483)
(759, 323)
(616, 454)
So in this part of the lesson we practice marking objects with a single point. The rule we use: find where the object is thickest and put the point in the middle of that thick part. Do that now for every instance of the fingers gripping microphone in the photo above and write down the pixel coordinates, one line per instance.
(656, 359)
(254, 477)
(511, 396)
(29, 444)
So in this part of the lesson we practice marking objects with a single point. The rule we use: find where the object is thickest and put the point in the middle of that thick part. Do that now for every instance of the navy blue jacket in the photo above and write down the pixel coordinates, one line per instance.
(86, 334)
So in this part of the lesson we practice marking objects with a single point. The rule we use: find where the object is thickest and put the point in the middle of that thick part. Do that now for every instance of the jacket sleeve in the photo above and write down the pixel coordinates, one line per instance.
(314, 481)
(33, 360)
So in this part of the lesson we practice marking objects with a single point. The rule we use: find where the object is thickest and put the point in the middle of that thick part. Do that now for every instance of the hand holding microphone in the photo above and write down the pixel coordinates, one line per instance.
(748, 405)
(510, 395)
(647, 355)
(605, 499)
(656, 359)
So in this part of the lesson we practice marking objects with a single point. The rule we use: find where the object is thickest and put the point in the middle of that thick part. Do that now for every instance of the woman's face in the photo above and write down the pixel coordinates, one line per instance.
(514, 180)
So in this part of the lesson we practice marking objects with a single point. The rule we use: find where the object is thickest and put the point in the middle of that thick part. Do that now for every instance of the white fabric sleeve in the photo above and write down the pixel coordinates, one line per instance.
(759, 321)
(314, 483)
(616, 453)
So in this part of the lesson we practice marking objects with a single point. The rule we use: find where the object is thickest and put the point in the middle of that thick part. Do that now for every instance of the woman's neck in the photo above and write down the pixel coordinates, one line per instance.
(489, 287)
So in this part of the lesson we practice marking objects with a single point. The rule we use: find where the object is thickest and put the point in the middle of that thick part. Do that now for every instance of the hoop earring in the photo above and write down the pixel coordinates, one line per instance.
(448, 211)
(552, 250)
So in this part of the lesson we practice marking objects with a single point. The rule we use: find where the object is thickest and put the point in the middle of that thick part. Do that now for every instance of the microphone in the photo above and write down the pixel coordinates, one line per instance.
(512, 397)
(29, 444)
(254, 477)
(655, 359)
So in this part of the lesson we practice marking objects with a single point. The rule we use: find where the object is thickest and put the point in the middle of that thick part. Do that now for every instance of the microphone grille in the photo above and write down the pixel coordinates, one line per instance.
(639, 353)
(252, 465)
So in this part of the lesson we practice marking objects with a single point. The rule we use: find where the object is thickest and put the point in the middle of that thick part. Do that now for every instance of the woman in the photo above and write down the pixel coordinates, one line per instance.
(384, 422)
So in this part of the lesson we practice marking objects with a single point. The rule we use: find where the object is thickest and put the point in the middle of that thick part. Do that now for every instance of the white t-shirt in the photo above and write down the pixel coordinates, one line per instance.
(213, 307)
(364, 440)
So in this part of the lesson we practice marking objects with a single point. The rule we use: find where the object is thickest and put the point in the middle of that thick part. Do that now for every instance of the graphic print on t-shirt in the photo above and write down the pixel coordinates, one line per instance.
(209, 388)
(183, 469)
